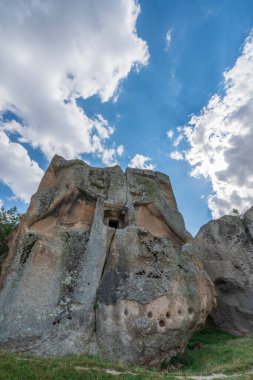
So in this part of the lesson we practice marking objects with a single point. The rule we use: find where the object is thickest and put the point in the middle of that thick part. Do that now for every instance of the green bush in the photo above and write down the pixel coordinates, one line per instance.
(8, 220)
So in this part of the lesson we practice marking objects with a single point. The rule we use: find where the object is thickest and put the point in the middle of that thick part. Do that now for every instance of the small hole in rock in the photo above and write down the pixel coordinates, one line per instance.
(70, 289)
(126, 312)
(179, 312)
(161, 323)
(113, 223)
(168, 315)
(150, 315)
(190, 310)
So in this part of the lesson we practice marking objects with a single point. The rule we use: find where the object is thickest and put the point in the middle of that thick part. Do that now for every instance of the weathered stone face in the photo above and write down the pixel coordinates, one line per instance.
(97, 266)
(226, 245)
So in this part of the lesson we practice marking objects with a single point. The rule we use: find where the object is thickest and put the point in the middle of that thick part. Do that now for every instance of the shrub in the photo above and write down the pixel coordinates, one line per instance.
(8, 220)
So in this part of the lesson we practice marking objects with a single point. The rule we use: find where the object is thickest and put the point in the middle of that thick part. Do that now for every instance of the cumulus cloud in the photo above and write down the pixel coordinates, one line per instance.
(176, 155)
(221, 137)
(168, 39)
(52, 53)
(20, 173)
(141, 162)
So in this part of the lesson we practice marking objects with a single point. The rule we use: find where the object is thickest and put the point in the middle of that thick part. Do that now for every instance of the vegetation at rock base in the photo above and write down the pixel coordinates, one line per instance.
(209, 352)
(8, 220)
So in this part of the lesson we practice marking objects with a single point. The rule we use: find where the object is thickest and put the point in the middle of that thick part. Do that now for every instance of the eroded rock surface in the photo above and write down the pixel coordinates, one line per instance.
(226, 245)
(97, 266)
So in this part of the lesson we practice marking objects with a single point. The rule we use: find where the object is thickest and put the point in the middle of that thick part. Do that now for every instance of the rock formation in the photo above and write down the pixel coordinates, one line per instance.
(97, 266)
(226, 246)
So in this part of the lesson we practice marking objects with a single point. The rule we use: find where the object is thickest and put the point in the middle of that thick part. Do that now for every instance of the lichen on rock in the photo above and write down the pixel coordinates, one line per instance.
(226, 247)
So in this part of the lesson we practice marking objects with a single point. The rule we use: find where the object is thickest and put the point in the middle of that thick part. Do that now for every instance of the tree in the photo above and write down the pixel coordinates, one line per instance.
(8, 220)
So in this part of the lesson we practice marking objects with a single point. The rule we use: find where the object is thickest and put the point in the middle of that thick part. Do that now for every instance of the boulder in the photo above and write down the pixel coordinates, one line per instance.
(97, 266)
(226, 246)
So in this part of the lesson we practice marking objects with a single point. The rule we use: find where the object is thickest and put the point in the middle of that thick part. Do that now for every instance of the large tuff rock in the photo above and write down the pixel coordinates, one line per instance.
(97, 266)
(226, 246)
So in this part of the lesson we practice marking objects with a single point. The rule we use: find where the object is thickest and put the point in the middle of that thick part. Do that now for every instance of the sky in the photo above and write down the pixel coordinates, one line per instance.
(165, 85)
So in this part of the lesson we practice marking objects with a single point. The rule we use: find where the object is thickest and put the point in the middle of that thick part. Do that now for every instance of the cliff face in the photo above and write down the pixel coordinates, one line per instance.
(97, 266)
(226, 246)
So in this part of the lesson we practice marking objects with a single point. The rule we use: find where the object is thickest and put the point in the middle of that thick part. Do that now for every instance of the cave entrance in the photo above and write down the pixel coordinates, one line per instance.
(115, 218)
(113, 223)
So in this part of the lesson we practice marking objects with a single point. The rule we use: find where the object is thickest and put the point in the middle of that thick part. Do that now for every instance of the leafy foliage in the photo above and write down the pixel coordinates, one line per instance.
(8, 220)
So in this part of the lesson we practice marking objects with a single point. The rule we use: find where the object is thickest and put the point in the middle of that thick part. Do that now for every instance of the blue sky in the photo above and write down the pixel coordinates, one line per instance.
(114, 89)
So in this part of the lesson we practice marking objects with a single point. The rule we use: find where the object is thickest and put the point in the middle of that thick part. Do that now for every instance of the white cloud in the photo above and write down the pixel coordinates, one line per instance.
(141, 162)
(54, 52)
(221, 137)
(178, 140)
(170, 134)
(1, 203)
(120, 150)
(102, 127)
(168, 39)
(20, 173)
(176, 155)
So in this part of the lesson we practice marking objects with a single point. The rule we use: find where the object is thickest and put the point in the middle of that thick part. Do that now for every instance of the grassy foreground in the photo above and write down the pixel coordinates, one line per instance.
(209, 352)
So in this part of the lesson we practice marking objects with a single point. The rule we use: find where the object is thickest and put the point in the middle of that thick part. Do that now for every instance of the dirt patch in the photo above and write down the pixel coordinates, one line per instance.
(107, 370)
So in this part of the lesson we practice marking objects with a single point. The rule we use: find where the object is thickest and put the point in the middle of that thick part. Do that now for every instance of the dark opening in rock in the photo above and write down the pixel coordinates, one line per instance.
(115, 218)
(56, 321)
(161, 323)
(150, 315)
(168, 315)
(113, 223)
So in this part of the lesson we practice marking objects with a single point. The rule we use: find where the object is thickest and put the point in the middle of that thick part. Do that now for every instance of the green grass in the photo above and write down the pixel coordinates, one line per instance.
(210, 351)
(220, 352)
